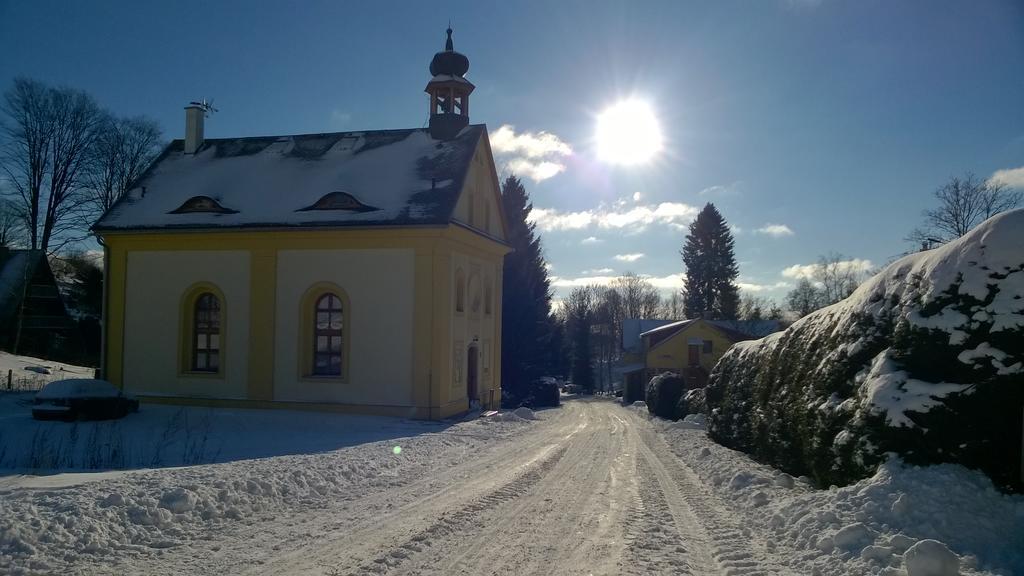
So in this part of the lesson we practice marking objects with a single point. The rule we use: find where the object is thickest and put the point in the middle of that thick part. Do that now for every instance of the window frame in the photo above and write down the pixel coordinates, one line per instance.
(308, 333)
(187, 336)
(460, 291)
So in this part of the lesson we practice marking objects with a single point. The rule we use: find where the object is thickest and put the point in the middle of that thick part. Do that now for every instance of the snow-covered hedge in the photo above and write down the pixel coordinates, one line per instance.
(663, 393)
(926, 359)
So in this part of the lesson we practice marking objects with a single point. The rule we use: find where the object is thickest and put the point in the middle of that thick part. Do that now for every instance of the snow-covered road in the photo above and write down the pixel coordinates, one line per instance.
(592, 489)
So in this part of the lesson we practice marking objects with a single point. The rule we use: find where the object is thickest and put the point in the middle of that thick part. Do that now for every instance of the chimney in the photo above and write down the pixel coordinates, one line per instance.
(194, 114)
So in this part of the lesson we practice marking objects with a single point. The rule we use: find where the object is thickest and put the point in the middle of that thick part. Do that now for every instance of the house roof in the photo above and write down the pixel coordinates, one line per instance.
(385, 178)
(17, 269)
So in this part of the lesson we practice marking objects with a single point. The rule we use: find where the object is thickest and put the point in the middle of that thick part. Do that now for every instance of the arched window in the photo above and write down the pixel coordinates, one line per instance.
(460, 291)
(206, 333)
(474, 294)
(488, 296)
(327, 335)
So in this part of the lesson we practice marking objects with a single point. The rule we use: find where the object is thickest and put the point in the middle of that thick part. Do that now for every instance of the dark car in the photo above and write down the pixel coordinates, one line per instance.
(83, 398)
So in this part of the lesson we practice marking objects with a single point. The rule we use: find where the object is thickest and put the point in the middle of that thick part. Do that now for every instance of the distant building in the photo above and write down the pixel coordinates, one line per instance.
(33, 318)
(354, 271)
(688, 347)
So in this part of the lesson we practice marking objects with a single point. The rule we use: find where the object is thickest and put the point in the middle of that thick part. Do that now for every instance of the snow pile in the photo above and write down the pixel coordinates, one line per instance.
(49, 524)
(904, 519)
(931, 343)
(525, 413)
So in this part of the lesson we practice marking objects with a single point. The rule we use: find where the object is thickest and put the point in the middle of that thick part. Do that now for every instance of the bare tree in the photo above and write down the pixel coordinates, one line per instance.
(963, 204)
(754, 308)
(837, 277)
(123, 149)
(10, 224)
(49, 134)
(804, 298)
(26, 151)
(672, 307)
(640, 299)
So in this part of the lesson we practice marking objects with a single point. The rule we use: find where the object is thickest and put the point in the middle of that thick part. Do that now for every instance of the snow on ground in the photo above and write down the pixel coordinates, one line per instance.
(269, 462)
(28, 373)
(590, 487)
(866, 528)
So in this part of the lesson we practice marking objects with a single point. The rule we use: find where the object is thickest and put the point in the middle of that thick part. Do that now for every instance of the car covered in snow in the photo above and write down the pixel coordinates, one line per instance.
(82, 398)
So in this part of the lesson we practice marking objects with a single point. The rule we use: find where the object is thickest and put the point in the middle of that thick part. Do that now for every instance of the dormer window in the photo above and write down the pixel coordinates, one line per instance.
(202, 204)
(338, 201)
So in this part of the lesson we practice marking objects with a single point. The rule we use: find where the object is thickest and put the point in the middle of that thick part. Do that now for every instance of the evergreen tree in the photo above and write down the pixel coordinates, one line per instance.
(710, 291)
(526, 327)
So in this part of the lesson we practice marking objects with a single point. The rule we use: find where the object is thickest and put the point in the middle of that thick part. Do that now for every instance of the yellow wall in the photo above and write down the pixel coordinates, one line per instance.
(673, 354)
(400, 282)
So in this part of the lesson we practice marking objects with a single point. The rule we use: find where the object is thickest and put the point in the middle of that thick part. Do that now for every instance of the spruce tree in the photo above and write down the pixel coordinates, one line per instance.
(710, 290)
(526, 329)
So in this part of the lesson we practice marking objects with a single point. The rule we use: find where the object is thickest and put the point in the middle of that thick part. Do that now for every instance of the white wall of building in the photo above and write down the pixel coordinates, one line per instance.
(155, 284)
(380, 285)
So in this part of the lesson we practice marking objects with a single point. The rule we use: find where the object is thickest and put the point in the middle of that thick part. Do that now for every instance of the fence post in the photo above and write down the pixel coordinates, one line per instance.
(9, 379)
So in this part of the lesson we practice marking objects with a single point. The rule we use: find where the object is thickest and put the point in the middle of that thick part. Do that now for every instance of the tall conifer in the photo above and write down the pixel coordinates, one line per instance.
(710, 291)
(526, 328)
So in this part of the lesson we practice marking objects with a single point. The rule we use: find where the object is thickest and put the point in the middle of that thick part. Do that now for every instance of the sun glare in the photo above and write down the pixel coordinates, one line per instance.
(628, 133)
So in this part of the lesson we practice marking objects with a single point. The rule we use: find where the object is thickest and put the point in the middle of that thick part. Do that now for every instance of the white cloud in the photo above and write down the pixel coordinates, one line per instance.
(755, 287)
(535, 171)
(549, 266)
(560, 282)
(536, 155)
(629, 257)
(591, 240)
(774, 230)
(736, 230)
(666, 284)
(798, 271)
(722, 189)
(674, 214)
(637, 196)
(1010, 177)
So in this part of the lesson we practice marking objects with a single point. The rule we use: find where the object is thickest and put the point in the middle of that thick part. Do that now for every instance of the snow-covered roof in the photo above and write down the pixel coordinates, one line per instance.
(390, 177)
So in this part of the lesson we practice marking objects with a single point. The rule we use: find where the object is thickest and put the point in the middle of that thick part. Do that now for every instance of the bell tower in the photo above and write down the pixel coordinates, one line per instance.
(449, 92)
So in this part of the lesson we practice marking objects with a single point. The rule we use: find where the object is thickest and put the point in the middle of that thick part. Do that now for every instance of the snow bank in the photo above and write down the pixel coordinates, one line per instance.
(931, 520)
(28, 373)
(934, 341)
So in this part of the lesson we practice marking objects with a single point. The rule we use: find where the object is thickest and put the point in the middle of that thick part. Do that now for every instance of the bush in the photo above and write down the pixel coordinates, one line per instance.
(692, 402)
(540, 393)
(663, 393)
(543, 393)
(925, 360)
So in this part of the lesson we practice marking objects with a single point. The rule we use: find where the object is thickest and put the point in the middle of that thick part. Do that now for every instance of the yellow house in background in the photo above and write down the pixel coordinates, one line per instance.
(352, 271)
(688, 347)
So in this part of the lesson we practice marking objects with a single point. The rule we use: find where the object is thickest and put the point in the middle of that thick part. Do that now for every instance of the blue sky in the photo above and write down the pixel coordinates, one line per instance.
(832, 121)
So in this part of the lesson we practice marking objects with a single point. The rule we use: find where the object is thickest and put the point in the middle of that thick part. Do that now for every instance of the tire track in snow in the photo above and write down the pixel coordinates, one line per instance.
(729, 545)
(453, 523)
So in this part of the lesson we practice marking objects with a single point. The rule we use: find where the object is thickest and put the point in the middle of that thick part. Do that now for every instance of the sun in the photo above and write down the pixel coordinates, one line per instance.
(628, 133)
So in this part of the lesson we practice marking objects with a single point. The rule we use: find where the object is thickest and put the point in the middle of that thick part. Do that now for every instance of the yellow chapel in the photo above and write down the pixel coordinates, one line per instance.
(349, 271)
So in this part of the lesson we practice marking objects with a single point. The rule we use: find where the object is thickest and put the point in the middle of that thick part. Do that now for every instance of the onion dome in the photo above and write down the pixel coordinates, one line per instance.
(449, 62)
